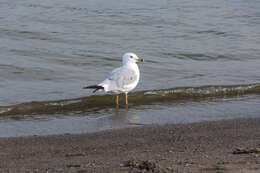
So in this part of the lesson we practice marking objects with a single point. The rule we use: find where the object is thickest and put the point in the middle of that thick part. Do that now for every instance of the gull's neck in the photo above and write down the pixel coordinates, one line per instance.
(133, 66)
(130, 64)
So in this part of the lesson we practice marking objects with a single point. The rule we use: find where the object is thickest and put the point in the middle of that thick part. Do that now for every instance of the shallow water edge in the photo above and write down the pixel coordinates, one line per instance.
(99, 102)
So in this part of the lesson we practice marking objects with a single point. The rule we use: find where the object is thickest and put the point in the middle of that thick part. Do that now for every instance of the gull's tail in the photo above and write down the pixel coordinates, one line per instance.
(96, 87)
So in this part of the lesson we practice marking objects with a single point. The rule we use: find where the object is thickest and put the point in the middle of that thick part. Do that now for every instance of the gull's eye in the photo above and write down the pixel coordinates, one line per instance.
(131, 56)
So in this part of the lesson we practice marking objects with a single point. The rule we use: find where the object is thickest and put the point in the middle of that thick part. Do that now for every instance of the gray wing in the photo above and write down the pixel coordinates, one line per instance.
(122, 77)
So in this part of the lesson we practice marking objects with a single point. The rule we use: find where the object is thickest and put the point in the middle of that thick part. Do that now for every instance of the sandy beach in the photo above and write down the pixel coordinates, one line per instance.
(196, 147)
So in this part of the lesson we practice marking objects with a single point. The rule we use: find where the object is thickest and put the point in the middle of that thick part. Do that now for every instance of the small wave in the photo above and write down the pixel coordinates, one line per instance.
(96, 102)
(201, 56)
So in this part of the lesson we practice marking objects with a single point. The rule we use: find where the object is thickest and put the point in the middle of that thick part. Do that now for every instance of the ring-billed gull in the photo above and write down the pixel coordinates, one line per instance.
(122, 79)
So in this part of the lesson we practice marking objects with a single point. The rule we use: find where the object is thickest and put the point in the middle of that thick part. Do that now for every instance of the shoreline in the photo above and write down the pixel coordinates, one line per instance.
(92, 102)
(194, 147)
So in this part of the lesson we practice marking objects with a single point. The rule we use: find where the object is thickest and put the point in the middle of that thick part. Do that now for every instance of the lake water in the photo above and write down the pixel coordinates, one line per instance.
(51, 49)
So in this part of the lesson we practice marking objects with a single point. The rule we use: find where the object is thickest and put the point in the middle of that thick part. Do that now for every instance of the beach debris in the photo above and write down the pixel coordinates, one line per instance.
(75, 154)
(82, 171)
(73, 165)
(215, 168)
(144, 166)
(246, 150)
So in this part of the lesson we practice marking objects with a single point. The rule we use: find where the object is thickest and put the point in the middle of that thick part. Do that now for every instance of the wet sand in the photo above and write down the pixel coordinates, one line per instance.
(196, 147)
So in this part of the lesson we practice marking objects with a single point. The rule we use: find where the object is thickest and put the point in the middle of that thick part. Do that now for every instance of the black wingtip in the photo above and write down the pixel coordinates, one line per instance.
(96, 87)
(86, 88)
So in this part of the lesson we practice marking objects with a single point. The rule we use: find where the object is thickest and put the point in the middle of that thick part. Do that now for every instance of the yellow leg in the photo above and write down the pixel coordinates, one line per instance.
(126, 99)
(117, 97)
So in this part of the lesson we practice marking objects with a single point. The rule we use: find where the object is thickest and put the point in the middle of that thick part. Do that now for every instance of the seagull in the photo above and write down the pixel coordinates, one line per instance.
(121, 80)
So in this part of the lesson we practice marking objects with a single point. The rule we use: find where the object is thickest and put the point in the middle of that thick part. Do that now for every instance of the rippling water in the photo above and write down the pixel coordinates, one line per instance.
(51, 49)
